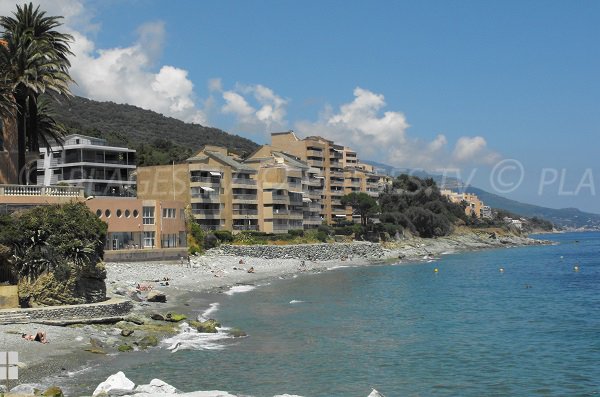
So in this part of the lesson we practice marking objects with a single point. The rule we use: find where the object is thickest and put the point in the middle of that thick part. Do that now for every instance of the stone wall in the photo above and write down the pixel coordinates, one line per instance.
(107, 309)
(310, 252)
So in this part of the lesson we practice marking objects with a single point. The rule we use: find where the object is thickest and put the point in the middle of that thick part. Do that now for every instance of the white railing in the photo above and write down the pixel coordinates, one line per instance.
(47, 191)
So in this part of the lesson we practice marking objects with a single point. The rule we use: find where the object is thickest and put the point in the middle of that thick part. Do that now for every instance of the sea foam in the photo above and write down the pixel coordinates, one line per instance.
(239, 288)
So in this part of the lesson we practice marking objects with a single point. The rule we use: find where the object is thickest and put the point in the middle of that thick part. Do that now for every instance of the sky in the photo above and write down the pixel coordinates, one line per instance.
(503, 94)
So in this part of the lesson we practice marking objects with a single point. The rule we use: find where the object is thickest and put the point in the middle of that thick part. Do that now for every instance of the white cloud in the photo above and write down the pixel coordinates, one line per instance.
(361, 125)
(267, 114)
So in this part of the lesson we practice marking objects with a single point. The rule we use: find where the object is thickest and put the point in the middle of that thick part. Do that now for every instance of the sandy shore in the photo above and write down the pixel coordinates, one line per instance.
(65, 353)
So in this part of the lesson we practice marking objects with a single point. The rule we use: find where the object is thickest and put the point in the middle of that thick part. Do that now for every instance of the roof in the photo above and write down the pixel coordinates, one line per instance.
(229, 161)
(291, 160)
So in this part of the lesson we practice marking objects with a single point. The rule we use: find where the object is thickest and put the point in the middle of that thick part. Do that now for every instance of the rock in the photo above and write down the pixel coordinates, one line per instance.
(148, 341)
(134, 319)
(125, 348)
(27, 389)
(208, 326)
(158, 317)
(126, 332)
(116, 384)
(375, 393)
(237, 333)
(95, 350)
(156, 296)
(175, 317)
(53, 391)
(96, 342)
(3, 389)
(156, 386)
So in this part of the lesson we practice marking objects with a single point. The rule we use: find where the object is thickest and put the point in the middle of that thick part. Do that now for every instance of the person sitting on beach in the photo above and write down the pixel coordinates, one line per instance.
(241, 262)
(40, 336)
(251, 270)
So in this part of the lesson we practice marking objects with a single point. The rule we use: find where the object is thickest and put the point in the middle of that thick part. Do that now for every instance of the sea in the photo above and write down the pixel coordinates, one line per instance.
(519, 321)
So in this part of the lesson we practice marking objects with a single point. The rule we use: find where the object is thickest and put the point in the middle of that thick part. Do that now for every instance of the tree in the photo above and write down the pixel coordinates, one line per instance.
(362, 204)
(34, 61)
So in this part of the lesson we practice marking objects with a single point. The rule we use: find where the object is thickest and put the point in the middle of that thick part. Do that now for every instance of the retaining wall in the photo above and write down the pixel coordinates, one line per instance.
(312, 252)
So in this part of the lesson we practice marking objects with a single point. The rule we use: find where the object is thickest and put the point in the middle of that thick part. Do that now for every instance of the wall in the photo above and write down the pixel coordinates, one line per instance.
(319, 252)
(110, 308)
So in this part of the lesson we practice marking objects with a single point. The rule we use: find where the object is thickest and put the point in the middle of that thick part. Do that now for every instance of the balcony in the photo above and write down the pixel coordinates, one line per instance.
(313, 220)
(243, 182)
(336, 202)
(205, 198)
(336, 182)
(245, 227)
(336, 174)
(245, 214)
(315, 163)
(274, 198)
(314, 153)
(201, 213)
(205, 180)
(46, 191)
(296, 215)
(244, 197)
(280, 228)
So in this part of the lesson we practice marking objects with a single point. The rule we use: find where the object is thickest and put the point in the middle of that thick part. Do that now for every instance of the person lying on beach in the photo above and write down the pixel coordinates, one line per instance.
(39, 337)
(251, 270)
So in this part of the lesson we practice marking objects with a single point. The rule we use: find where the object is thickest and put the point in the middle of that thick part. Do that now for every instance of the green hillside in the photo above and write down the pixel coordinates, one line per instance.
(158, 139)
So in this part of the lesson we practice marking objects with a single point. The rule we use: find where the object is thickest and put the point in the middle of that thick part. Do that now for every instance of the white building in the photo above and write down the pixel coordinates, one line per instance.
(102, 170)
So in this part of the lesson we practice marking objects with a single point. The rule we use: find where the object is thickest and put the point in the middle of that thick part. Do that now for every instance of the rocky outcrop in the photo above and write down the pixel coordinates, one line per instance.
(117, 384)
(73, 285)
(309, 252)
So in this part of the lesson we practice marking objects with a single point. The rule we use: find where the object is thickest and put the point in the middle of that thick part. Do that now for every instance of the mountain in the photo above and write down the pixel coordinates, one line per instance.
(570, 218)
(564, 217)
(157, 138)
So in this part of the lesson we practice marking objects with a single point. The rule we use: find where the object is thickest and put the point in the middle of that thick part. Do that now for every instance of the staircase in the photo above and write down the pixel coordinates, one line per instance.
(14, 318)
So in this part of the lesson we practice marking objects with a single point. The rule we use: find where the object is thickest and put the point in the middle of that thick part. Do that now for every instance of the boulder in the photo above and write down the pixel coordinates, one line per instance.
(53, 391)
(175, 317)
(156, 296)
(156, 386)
(147, 341)
(157, 317)
(237, 333)
(375, 393)
(124, 348)
(126, 332)
(134, 319)
(116, 384)
(209, 326)
(27, 389)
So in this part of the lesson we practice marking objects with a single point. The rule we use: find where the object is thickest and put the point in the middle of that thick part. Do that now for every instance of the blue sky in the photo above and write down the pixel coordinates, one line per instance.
(431, 84)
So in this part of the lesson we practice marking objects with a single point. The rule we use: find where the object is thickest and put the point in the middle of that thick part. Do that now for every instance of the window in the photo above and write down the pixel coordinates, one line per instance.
(169, 213)
(149, 239)
(127, 213)
(107, 213)
(148, 215)
(1, 135)
(119, 213)
(98, 213)
(136, 213)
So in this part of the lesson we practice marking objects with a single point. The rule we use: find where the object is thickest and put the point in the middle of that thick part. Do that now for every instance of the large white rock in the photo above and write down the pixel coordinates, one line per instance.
(115, 385)
(156, 386)
(375, 393)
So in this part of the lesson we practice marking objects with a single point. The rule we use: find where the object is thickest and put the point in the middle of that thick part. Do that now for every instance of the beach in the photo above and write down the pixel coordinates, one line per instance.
(212, 273)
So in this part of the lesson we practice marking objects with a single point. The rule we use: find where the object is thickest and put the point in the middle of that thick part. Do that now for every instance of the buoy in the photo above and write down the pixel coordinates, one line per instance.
(501, 270)
(435, 270)
(575, 268)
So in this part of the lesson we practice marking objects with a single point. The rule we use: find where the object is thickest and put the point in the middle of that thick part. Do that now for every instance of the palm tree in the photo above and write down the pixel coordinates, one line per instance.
(36, 62)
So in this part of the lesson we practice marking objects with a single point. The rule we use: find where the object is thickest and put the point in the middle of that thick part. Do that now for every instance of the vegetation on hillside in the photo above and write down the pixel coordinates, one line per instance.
(156, 138)
(55, 252)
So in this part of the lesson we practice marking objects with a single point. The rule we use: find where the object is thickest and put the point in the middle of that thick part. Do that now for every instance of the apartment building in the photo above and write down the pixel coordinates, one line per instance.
(291, 191)
(474, 205)
(220, 189)
(101, 169)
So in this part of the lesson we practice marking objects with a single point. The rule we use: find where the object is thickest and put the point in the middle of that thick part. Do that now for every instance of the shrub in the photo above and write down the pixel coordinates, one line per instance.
(296, 233)
(210, 241)
(224, 236)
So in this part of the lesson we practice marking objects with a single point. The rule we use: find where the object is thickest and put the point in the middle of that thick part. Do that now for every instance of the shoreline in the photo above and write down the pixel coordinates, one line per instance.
(210, 273)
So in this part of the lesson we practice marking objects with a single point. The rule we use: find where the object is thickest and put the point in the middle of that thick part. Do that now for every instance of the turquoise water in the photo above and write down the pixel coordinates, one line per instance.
(468, 330)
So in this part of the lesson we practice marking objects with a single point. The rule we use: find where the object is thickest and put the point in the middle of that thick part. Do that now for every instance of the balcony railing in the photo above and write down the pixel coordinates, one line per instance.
(313, 219)
(245, 227)
(246, 197)
(47, 191)
(243, 181)
(315, 163)
(202, 211)
(206, 197)
(203, 179)
(245, 212)
(314, 153)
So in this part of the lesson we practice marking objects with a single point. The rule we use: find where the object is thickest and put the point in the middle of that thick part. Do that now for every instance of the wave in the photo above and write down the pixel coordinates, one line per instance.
(213, 307)
(295, 301)
(239, 288)
(190, 339)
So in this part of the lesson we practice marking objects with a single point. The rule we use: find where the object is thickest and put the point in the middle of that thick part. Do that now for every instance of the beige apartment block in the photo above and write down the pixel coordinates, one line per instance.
(220, 190)
(291, 191)
(474, 205)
